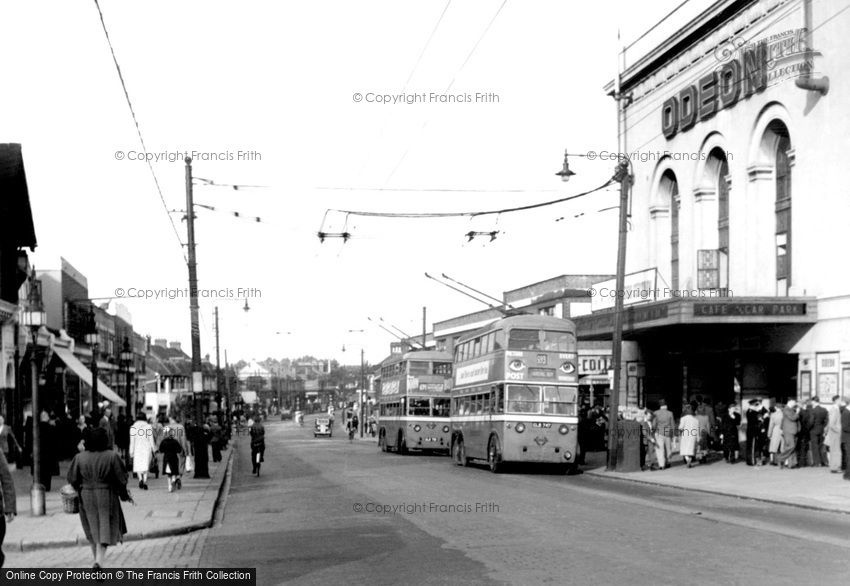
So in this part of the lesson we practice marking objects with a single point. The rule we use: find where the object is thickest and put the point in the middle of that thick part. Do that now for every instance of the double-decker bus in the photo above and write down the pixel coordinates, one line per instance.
(414, 403)
(515, 393)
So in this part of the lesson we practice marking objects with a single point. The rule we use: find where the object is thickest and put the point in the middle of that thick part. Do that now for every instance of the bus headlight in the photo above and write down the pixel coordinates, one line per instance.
(445, 429)
(417, 428)
(563, 429)
(516, 365)
(568, 368)
(519, 427)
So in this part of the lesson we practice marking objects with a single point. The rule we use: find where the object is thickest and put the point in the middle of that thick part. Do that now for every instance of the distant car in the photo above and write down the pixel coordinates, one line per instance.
(285, 414)
(323, 426)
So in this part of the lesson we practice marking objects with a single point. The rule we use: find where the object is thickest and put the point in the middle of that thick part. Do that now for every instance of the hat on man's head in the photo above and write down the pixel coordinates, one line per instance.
(662, 403)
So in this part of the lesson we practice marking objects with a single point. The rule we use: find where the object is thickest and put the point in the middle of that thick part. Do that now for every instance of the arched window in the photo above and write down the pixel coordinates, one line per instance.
(674, 232)
(723, 185)
(783, 212)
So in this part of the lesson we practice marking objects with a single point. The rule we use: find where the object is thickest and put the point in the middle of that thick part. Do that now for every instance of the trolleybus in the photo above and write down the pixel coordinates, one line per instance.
(414, 402)
(515, 393)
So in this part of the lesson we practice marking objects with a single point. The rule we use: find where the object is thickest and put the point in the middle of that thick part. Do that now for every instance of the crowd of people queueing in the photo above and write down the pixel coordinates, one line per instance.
(788, 436)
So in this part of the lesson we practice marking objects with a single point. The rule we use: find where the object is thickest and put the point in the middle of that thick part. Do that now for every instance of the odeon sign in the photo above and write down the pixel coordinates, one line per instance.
(719, 89)
(757, 65)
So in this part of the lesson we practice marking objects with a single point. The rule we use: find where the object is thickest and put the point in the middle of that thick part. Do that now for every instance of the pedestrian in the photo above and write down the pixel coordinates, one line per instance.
(141, 448)
(8, 443)
(8, 501)
(171, 449)
(833, 435)
(99, 477)
(845, 438)
(201, 450)
(47, 455)
(729, 423)
(185, 447)
(819, 419)
(689, 431)
(704, 433)
(106, 424)
(754, 416)
(258, 446)
(805, 424)
(664, 429)
(216, 440)
(774, 434)
(122, 438)
(81, 433)
(790, 429)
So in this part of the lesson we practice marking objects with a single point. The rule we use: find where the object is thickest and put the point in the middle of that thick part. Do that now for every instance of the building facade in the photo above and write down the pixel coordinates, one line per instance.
(735, 127)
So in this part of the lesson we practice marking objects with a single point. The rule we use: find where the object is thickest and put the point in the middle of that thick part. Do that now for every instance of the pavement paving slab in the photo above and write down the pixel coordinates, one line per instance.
(155, 514)
(807, 487)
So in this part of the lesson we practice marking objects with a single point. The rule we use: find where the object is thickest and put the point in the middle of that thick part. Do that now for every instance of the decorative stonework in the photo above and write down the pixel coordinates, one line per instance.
(658, 211)
(706, 194)
(760, 172)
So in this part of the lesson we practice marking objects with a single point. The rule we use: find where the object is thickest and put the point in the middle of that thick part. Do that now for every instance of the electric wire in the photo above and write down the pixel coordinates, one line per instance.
(138, 129)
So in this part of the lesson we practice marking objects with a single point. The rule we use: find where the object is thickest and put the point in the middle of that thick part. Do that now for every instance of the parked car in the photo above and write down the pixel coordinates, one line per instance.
(323, 426)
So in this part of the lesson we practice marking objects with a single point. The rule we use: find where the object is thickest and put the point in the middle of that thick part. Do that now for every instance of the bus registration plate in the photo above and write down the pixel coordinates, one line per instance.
(541, 425)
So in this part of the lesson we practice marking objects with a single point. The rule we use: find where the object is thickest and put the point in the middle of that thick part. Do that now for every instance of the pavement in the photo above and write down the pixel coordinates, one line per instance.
(810, 488)
(155, 514)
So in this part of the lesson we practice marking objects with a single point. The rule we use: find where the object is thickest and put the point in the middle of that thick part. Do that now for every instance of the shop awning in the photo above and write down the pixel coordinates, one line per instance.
(85, 375)
(594, 379)
(249, 397)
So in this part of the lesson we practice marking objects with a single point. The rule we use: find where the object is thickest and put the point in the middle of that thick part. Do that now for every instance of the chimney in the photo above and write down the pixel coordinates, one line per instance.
(175, 346)
(147, 344)
(161, 342)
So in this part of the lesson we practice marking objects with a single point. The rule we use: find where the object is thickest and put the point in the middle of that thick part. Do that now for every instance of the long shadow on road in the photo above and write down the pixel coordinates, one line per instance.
(296, 526)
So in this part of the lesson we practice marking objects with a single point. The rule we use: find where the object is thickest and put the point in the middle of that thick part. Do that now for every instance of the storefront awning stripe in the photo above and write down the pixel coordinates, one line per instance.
(85, 375)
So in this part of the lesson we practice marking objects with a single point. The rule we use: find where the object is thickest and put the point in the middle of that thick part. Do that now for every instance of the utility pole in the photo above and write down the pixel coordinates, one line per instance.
(218, 364)
(424, 325)
(197, 373)
(199, 441)
(363, 394)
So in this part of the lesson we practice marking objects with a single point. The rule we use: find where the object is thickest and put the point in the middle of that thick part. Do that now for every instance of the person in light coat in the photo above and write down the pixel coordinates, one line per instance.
(774, 434)
(142, 448)
(832, 441)
(689, 430)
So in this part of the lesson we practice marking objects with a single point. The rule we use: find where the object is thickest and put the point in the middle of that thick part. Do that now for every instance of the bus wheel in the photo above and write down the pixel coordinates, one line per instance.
(382, 441)
(401, 447)
(494, 455)
(459, 452)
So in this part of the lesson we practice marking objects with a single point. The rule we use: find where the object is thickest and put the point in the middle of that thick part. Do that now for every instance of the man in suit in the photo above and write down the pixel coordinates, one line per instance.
(803, 435)
(755, 415)
(845, 438)
(833, 435)
(818, 421)
(665, 427)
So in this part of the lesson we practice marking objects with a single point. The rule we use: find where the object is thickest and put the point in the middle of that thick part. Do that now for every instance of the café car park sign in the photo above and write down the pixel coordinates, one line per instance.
(748, 309)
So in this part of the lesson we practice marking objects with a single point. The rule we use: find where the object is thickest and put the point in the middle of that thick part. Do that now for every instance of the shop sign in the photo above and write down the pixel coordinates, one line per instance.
(748, 309)
(472, 373)
(593, 364)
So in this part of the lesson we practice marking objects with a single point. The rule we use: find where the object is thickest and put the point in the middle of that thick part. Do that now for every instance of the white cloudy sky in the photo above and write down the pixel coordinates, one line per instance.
(278, 78)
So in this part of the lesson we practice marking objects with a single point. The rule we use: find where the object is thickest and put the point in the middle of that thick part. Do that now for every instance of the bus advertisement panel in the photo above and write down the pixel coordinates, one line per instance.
(516, 392)
(414, 403)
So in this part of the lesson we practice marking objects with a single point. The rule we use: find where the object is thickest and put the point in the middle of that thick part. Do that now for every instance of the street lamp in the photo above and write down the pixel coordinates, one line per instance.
(623, 176)
(34, 318)
(126, 360)
(361, 385)
(93, 340)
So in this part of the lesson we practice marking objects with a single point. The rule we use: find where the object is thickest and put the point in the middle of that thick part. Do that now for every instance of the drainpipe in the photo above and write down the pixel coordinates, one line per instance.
(807, 82)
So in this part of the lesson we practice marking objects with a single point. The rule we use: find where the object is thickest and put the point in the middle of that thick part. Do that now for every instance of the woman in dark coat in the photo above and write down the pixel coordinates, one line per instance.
(171, 450)
(99, 477)
(258, 446)
(729, 423)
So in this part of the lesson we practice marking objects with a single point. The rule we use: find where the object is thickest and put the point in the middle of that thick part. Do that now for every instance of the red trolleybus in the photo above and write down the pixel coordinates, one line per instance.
(515, 393)
(414, 402)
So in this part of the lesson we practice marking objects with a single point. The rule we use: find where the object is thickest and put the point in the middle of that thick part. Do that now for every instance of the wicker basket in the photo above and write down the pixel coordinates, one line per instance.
(70, 499)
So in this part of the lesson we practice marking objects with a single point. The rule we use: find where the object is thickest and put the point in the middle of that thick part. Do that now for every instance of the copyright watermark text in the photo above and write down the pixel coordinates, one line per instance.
(411, 98)
(186, 293)
(424, 508)
(181, 155)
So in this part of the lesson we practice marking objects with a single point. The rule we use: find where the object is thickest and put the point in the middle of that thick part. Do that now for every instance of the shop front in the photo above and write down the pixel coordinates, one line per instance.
(723, 350)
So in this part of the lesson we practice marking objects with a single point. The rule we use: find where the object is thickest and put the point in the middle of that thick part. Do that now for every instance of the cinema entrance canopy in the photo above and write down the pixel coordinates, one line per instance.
(724, 348)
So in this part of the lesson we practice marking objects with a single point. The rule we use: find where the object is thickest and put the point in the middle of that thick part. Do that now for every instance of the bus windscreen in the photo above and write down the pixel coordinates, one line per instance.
(541, 340)
(559, 400)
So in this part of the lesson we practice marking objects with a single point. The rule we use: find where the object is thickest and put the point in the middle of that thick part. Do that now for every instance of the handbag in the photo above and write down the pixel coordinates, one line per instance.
(190, 463)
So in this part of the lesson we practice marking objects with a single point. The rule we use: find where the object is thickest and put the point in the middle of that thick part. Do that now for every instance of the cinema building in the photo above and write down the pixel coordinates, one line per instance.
(736, 123)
